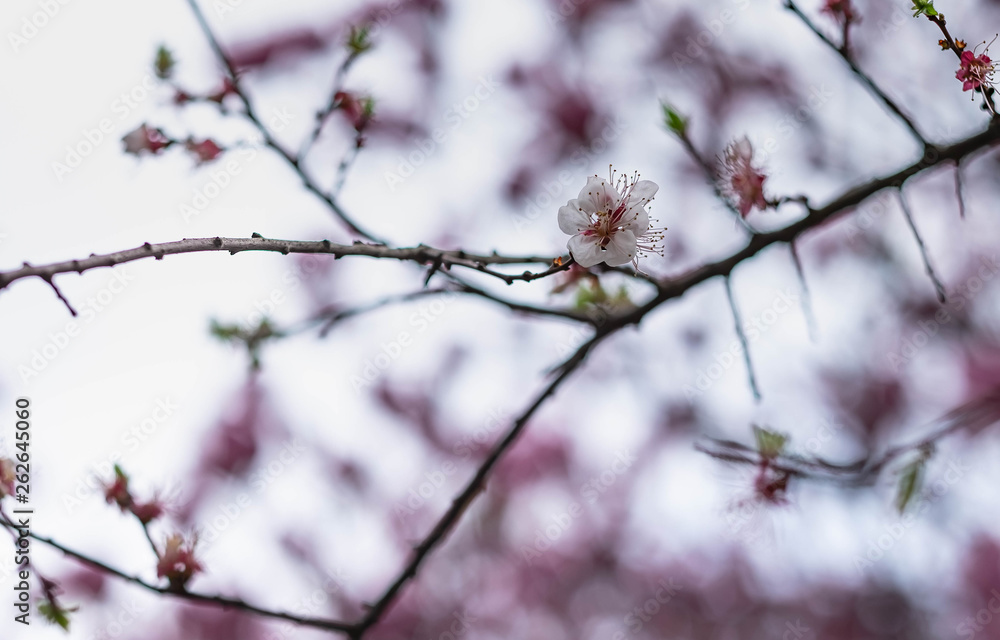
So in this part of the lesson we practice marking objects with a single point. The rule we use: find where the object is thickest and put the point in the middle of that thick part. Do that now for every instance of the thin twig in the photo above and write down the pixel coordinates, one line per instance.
(269, 140)
(743, 338)
(807, 310)
(976, 414)
(331, 104)
(861, 75)
(420, 254)
(712, 177)
(59, 294)
(959, 189)
(938, 286)
(196, 598)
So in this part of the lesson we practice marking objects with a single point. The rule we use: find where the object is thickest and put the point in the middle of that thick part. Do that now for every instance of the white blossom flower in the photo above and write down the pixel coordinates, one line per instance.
(608, 222)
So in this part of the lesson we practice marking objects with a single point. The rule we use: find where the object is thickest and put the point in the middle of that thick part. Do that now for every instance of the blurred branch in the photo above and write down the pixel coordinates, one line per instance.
(196, 598)
(974, 415)
(269, 140)
(743, 338)
(861, 75)
(938, 286)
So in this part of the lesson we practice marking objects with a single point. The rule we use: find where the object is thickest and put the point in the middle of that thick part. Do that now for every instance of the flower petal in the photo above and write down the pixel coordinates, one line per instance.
(645, 190)
(621, 249)
(573, 218)
(586, 250)
(598, 195)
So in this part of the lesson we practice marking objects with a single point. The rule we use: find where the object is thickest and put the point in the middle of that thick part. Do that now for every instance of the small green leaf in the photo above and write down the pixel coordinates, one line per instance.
(55, 614)
(164, 63)
(910, 482)
(674, 121)
(588, 295)
(924, 7)
(770, 444)
(358, 41)
(225, 332)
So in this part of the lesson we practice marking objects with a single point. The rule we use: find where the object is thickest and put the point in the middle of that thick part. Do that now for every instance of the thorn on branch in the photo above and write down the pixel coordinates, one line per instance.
(959, 189)
(438, 261)
(743, 339)
(806, 297)
(938, 286)
(59, 294)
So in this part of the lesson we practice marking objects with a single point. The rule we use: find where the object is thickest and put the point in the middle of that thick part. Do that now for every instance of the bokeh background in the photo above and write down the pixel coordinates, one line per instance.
(302, 480)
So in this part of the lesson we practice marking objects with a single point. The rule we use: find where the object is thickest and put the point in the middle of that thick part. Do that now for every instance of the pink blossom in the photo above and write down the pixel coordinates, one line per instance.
(177, 562)
(117, 492)
(975, 71)
(840, 9)
(205, 151)
(146, 512)
(7, 476)
(145, 138)
(608, 221)
(741, 181)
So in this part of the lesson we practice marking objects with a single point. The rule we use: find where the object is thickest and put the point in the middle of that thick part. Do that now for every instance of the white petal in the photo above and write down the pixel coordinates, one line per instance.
(644, 190)
(598, 195)
(636, 220)
(586, 250)
(572, 219)
(621, 249)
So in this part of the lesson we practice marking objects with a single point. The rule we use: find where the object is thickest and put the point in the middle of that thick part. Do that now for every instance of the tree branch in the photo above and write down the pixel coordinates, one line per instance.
(861, 75)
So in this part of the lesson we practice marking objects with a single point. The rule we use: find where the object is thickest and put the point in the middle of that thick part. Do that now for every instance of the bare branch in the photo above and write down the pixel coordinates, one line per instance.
(196, 598)
(743, 338)
(421, 254)
(938, 286)
(269, 140)
(974, 415)
(861, 75)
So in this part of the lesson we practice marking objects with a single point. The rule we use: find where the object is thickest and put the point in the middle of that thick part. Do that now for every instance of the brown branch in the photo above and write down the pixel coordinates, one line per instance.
(670, 289)
(743, 338)
(269, 140)
(196, 598)
(421, 254)
(938, 286)
(861, 75)
(974, 415)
